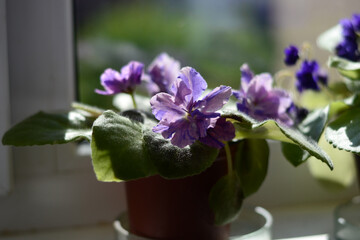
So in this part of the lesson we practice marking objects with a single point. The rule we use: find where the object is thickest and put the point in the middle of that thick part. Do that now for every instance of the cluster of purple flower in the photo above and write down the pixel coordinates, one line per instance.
(162, 72)
(184, 115)
(259, 99)
(124, 81)
(348, 47)
(185, 118)
(309, 75)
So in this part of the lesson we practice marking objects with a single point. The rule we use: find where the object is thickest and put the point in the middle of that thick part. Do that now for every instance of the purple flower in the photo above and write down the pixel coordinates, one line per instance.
(125, 81)
(297, 113)
(291, 55)
(223, 131)
(163, 72)
(183, 116)
(309, 75)
(348, 47)
(355, 20)
(348, 30)
(261, 101)
(322, 76)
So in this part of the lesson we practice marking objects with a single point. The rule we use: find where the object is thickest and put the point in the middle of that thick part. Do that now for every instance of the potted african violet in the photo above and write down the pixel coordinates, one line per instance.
(189, 156)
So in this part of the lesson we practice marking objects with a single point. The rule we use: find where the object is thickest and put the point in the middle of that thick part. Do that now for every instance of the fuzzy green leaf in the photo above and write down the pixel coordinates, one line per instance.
(125, 149)
(174, 162)
(270, 129)
(348, 69)
(117, 149)
(44, 128)
(312, 126)
(251, 164)
(344, 132)
(226, 198)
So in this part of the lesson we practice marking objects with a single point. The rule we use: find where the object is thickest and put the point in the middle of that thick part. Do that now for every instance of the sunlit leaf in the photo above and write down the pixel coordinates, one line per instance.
(174, 162)
(313, 126)
(344, 172)
(330, 39)
(123, 148)
(270, 129)
(344, 132)
(45, 128)
(348, 69)
(117, 149)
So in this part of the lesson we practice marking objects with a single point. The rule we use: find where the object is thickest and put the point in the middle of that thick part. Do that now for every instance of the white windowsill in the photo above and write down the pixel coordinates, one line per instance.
(312, 222)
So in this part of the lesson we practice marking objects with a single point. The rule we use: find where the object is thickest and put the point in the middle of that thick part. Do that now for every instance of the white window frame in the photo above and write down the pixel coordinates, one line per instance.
(5, 167)
(60, 189)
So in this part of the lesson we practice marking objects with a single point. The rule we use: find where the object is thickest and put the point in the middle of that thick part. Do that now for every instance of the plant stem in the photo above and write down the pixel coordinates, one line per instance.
(307, 50)
(94, 111)
(133, 100)
(228, 158)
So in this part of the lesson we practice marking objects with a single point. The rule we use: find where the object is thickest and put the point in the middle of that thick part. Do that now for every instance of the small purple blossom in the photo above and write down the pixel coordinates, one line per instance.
(297, 113)
(184, 117)
(291, 55)
(223, 131)
(125, 81)
(163, 72)
(348, 47)
(309, 75)
(348, 30)
(261, 101)
(355, 20)
(246, 75)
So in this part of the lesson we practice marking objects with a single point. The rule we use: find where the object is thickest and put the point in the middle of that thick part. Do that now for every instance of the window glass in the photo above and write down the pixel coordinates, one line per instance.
(214, 37)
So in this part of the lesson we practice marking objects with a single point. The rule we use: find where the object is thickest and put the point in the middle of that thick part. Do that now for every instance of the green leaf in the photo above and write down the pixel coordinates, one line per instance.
(117, 149)
(174, 162)
(313, 126)
(344, 172)
(294, 154)
(87, 109)
(226, 198)
(125, 149)
(251, 164)
(348, 69)
(313, 100)
(44, 128)
(344, 132)
(330, 39)
(270, 129)
(353, 86)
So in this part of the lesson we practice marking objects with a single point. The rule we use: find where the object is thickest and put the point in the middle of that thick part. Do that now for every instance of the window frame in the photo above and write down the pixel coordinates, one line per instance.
(53, 186)
(5, 165)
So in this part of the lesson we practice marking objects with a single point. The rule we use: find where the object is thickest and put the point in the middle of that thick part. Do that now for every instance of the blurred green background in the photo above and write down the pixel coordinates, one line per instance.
(214, 37)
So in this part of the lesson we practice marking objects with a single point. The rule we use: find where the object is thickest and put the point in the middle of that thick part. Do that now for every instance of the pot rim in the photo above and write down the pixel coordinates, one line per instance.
(121, 225)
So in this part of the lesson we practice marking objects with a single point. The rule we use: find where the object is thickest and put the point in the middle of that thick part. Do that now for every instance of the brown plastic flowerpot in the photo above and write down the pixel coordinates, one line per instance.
(175, 209)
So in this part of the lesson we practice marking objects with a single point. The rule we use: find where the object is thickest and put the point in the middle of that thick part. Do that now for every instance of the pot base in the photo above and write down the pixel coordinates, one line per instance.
(254, 223)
